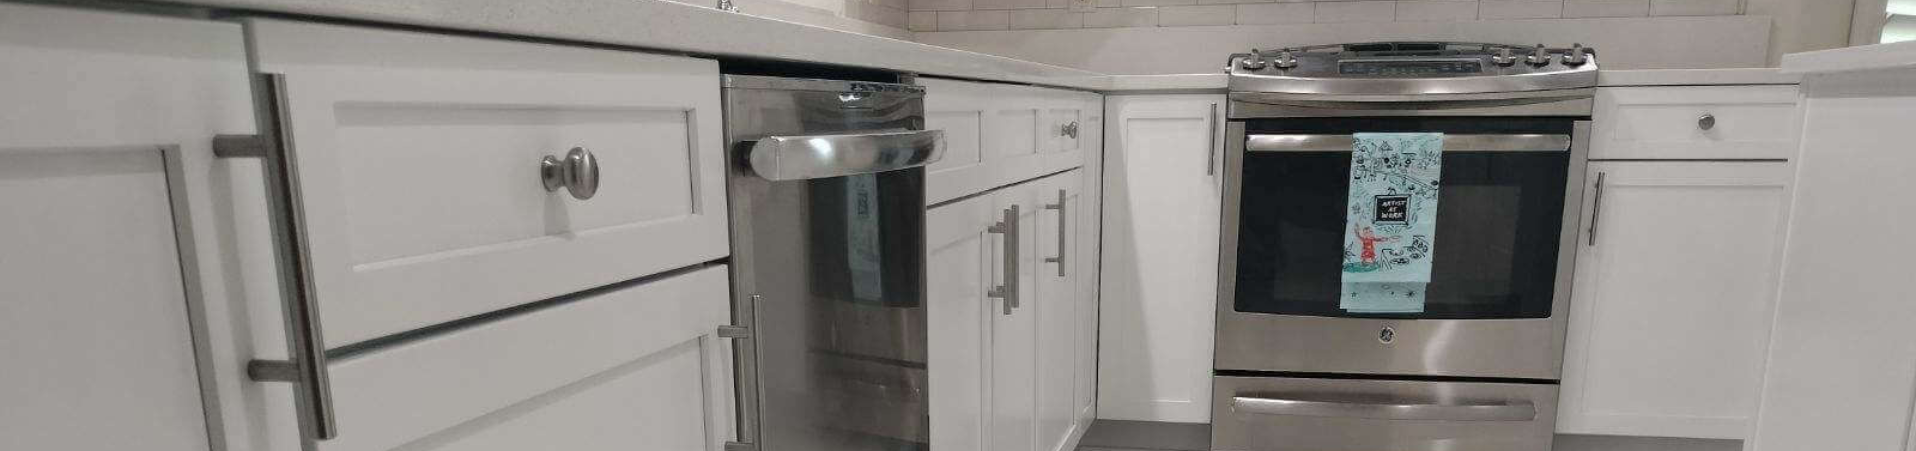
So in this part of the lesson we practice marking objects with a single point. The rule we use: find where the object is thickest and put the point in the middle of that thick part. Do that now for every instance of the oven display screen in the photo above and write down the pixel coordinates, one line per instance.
(1408, 68)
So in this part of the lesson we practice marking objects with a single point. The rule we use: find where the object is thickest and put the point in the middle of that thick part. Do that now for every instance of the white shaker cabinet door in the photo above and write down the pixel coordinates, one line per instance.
(110, 266)
(958, 263)
(420, 163)
(1159, 271)
(1675, 293)
(1056, 306)
(1014, 333)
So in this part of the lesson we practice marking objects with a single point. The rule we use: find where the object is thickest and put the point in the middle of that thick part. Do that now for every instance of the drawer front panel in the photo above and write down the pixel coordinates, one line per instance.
(420, 169)
(643, 360)
(1294, 414)
(1728, 122)
(1000, 134)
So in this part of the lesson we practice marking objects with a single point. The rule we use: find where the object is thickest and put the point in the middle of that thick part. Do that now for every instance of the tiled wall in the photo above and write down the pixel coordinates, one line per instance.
(975, 15)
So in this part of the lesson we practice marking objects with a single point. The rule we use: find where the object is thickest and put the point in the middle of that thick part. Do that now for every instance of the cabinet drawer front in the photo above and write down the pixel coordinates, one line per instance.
(999, 134)
(650, 348)
(1743, 122)
(419, 162)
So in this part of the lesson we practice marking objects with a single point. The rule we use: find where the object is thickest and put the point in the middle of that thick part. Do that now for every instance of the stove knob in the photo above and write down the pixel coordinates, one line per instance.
(1286, 60)
(1504, 57)
(1253, 62)
(1539, 57)
(1577, 56)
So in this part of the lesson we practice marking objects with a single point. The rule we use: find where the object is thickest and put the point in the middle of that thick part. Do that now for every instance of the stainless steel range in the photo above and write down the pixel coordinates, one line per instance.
(1475, 362)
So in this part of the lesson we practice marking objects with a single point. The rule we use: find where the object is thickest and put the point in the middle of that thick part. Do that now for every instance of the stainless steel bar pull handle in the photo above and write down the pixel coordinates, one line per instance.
(1062, 237)
(1510, 411)
(1008, 290)
(305, 345)
(577, 172)
(1210, 152)
(1596, 209)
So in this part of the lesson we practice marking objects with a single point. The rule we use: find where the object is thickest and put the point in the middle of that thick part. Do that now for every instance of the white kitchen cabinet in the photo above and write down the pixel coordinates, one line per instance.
(635, 366)
(1162, 190)
(419, 161)
(1841, 372)
(1695, 123)
(1001, 134)
(1004, 375)
(1675, 292)
(111, 261)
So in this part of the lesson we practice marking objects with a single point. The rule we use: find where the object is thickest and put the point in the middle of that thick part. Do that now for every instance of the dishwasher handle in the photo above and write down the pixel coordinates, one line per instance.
(1509, 411)
(802, 157)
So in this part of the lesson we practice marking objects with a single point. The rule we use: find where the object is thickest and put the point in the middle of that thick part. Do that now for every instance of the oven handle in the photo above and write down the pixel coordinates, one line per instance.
(801, 157)
(1452, 143)
(1512, 411)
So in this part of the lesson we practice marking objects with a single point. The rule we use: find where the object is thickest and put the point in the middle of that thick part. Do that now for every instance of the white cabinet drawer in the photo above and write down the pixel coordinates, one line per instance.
(419, 165)
(638, 367)
(999, 134)
(1745, 122)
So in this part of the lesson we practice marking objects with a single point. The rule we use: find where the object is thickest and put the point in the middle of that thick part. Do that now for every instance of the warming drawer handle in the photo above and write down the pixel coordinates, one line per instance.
(1512, 411)
(1452, 143)
(801, 157)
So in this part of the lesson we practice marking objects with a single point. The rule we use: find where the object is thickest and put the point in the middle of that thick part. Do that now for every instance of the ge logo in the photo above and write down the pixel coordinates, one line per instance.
(1386, 335)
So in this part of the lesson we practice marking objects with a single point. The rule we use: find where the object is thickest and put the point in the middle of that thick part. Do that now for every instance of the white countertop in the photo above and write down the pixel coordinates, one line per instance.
(667, 26)
(1901, 55)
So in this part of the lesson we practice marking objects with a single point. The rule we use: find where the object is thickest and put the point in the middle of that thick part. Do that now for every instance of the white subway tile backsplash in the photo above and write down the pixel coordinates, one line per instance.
(1046, 19)
(1224, 2)
(1121, 17)
(974, 20)
(939, 5)
(1693, 7)
(1158, 2)
(921, 21)
(1436, 10)
(875, 13)
(1357, 11)
(1520, 9)
(1276, 13)
(1188, 16)
(1606, 8)
(1007, 4)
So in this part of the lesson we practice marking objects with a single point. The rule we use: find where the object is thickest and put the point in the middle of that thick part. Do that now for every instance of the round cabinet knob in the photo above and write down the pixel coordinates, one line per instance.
(577, 172)
(1070, 130)
(1707, 122)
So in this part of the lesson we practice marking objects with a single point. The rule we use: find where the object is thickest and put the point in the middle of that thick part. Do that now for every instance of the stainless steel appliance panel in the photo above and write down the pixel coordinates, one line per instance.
(1500, 348)
(826, 185)
(1307, 414)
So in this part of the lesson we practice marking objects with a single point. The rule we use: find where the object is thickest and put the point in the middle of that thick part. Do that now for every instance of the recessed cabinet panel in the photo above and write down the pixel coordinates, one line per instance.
(1695, 122)
(1001, 134)
(422, 168)
(1675, 294)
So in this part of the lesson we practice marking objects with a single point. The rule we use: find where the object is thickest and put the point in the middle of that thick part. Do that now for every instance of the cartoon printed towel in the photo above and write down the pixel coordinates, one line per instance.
(1392, 221)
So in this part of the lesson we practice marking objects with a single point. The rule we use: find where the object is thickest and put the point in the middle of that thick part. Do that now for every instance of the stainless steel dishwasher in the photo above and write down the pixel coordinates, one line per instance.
(827, 199)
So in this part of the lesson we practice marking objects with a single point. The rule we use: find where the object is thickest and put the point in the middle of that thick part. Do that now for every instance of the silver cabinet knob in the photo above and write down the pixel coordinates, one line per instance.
(1707, 122)
(1070, 130)
(577, 172)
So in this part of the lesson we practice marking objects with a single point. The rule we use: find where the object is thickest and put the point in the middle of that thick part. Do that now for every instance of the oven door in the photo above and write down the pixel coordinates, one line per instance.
(1500, 267)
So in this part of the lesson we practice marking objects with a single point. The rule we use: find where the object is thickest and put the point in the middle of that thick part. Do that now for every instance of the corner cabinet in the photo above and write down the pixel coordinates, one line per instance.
(111, 253)
(1684, 219)
(1010, 325)
(1163, 185)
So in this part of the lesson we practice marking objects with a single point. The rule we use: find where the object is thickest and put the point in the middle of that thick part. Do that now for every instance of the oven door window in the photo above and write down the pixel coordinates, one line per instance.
(1499, 229)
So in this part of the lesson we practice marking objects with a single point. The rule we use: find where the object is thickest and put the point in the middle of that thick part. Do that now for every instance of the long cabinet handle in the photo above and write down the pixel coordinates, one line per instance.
(305, 345)
(1511, 411)
(1062, 213)
(1210, 150)
(1008, 290)
(1596, 209)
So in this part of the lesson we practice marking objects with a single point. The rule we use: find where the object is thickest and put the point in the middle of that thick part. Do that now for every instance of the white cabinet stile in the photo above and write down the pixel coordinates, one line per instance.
(1162, 187)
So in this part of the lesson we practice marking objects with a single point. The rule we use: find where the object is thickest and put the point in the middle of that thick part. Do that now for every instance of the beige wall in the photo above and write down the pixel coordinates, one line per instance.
(1804, 25)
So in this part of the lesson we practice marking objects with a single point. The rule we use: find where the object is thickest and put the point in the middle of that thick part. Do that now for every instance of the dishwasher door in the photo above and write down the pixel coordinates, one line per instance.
(827, 196)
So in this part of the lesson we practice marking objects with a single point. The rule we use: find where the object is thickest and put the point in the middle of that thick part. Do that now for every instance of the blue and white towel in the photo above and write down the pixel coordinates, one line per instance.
(1392, 221)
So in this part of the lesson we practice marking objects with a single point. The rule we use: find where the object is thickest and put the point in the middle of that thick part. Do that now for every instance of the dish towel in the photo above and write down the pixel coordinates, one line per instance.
(1392, 218)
